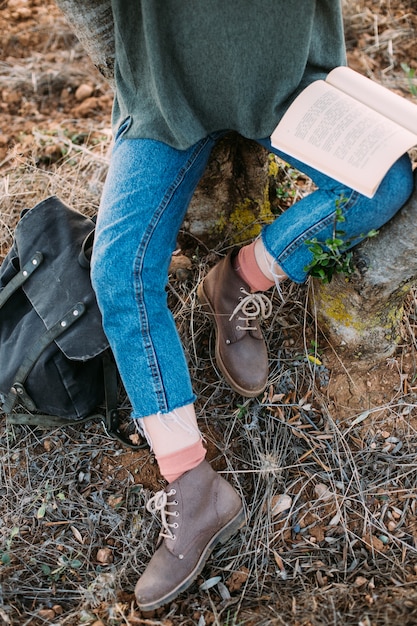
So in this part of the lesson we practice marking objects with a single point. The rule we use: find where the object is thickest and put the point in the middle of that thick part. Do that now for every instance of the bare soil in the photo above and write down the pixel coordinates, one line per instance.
(326, 460)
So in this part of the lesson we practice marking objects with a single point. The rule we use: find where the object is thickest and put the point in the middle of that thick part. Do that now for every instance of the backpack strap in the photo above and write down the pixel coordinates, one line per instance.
(20, 278)
(43, 420)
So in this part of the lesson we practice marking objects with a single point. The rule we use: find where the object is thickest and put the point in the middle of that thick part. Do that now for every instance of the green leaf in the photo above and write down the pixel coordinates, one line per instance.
(41, 511)
(14, 532)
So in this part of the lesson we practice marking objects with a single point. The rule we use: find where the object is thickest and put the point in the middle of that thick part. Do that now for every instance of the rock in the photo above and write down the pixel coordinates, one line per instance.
(46, 614)
(280, 504)
(104, 556)
(23, 13)
(86, 108)
(83, 92)
(322, 492)
(180, 266)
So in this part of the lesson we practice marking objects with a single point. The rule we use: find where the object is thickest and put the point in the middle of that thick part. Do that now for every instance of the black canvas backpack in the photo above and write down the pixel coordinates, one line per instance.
(55, 363)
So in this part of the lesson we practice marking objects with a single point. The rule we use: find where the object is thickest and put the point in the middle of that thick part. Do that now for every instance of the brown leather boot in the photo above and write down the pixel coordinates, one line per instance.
(198, 510)
(241, 352)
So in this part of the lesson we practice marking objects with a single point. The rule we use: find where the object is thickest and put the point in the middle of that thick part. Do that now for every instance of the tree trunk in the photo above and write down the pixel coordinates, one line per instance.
(92, 23)
(232, 200)
(361, 314)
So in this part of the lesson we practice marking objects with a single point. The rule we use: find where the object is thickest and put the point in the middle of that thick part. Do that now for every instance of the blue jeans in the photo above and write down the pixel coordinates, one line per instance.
(146, 195)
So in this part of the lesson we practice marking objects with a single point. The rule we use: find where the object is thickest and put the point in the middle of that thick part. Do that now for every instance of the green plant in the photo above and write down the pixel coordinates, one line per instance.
(5, 556)
(242, 411)
(48, 500)
(333, 255)
(286, 189)
(65, 566)
(410, 74)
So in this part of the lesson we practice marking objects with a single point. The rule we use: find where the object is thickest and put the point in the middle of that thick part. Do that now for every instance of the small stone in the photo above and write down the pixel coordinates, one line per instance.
(322, 491)
(83, 92)
(16, 4)
(47, 444)
(11, 97)
(179, 261)
(46, 614)
(104, 556)
(86, 108)
(24, 13)
(280, 503)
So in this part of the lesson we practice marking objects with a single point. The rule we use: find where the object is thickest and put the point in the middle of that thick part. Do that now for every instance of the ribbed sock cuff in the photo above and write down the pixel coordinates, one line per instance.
(248, 269)
(172, 466)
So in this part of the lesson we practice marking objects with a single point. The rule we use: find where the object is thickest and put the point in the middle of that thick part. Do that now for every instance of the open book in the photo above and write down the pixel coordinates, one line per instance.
(349, 128)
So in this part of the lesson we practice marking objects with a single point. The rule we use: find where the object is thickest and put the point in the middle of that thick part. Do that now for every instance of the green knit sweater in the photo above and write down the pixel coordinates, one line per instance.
(186, 68)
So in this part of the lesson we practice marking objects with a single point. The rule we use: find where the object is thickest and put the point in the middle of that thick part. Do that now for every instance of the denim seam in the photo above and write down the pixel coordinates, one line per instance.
(137, 272)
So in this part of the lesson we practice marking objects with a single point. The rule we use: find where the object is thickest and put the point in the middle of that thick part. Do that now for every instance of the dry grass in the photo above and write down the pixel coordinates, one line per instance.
(330, 494)
(331, 505)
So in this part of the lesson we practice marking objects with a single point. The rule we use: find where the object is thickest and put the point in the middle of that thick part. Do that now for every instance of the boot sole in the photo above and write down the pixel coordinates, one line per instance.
(247, 393)
(221, 537)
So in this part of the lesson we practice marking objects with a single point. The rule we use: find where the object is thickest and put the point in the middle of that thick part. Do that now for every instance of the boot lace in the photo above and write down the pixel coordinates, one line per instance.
(159, 502)
(251, 306)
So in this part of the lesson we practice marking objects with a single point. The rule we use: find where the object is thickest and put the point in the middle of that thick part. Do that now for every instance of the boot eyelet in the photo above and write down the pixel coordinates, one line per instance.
(176, 514)
(175, 525)
(228, 342)
(175, 503)
(180, 556)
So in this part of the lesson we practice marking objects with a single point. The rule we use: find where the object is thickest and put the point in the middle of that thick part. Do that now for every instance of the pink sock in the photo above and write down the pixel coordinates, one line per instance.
(248, 269)
(172, 466)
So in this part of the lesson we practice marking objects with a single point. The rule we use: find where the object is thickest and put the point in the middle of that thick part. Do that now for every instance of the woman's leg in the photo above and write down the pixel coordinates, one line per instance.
(175, 440)
(315, 215)
(146, 195)
(281, 252)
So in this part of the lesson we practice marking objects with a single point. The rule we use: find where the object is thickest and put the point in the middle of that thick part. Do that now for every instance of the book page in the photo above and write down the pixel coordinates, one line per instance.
(379, 98)
(332, 132)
